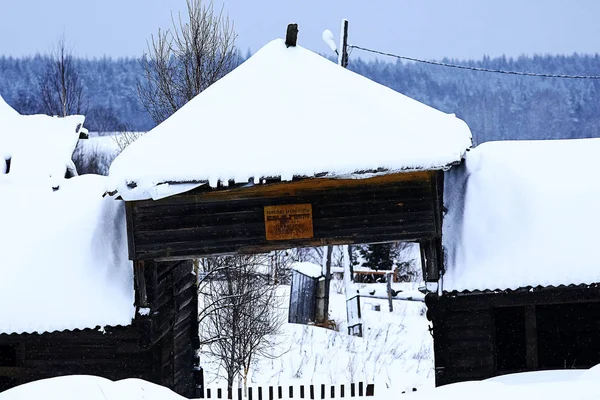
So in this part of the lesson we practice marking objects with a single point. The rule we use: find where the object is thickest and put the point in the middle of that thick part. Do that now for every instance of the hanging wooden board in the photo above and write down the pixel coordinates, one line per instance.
(290, 221)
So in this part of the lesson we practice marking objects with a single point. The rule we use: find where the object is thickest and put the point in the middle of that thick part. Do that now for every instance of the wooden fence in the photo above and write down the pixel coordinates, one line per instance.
(312, 392)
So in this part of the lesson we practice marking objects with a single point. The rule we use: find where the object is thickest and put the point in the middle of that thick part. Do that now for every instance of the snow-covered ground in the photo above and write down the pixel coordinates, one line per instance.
(78, 387)
(395, 352)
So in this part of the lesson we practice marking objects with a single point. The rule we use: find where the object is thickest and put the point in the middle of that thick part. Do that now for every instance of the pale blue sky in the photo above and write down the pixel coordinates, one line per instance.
(417, 28)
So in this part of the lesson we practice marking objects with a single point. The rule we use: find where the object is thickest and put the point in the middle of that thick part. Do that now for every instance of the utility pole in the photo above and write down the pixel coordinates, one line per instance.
(343, 62)
(343, 53)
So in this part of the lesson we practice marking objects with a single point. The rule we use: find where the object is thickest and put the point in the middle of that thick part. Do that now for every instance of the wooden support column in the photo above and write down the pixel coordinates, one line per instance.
(531, 349)
(141, 298)
(431, 259)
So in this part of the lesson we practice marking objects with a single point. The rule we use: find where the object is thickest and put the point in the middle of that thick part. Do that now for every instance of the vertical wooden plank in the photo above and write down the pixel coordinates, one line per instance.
(279, 392)
(360, 389)
(301, 391)
(260, 396)
(130, 229)
(249, 393)
(342, 391)
(352, 390)
(291, 392)
(332, 392)
(322, 391)
(208, 393)
(312, 392)
(270, 392)
(219, 393)
(240, 394)
(531, 350)
(141, 299)
(370, 389)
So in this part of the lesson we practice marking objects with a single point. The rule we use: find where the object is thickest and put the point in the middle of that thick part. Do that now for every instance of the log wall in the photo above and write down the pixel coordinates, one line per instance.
(481, 335)
(400, 207)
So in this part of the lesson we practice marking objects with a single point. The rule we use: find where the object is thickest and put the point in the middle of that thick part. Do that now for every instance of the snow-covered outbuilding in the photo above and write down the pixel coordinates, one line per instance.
(67, 299)
(521, 287)
(38, 146)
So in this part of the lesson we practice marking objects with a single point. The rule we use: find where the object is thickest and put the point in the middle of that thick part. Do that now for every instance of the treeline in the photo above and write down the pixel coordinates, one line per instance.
(496, 106)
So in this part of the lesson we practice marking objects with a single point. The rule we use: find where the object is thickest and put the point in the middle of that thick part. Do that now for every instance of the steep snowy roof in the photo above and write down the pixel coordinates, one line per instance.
(285, 112)
(523, 214)
(63, 256)
(37, 145)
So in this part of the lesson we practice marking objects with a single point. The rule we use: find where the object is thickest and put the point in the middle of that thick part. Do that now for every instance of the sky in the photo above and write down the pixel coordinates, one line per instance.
(431, 29)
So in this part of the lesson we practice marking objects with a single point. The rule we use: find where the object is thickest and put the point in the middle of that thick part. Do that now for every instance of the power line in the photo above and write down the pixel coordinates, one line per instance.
(497, 71)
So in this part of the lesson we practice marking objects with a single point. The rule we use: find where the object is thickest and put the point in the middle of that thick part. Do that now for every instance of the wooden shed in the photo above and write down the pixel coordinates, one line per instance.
(70, 300)
(69, 307)
(520, 290)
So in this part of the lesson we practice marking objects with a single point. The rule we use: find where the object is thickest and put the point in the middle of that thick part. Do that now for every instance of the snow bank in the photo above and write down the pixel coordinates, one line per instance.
(523, 214)
(63, 256)
(37, 145)
(560, 389)
(77, 387)
(285, 112)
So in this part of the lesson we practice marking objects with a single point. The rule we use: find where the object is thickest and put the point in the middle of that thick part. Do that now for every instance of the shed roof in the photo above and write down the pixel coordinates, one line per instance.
(523, 214)
(37, 145)
(63, 257)
(290, 112)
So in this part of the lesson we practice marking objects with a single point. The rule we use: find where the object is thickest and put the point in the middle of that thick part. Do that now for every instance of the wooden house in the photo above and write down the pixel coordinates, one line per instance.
(520, 290)
(67, 299)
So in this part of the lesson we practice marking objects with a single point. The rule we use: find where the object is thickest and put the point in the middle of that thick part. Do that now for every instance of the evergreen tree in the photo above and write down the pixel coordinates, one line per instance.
(379, 256)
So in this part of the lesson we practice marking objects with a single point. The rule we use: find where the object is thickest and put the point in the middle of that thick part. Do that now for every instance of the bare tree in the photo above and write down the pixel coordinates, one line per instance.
(239, 317)
(187, 59)
(61, 88)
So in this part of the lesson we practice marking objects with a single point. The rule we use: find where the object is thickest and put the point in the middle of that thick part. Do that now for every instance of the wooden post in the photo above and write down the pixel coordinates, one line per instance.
(389, 289)
(140, 284)
(343, 54)
(531, 350)
(327, 284)
(350, 262)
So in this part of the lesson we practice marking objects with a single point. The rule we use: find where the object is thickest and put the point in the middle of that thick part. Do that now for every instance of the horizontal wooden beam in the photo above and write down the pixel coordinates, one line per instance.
(295, 188)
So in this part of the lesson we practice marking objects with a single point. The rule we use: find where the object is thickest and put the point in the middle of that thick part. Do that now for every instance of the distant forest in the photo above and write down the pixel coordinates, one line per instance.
(496, 106)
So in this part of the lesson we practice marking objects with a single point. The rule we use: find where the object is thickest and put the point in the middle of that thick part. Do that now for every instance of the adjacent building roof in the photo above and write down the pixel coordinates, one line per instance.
(289, 112)
(523, 214)
(63, 256)
(37, 145)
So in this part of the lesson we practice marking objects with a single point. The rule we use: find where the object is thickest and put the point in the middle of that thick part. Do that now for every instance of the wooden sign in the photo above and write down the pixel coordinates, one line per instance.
(291, 221)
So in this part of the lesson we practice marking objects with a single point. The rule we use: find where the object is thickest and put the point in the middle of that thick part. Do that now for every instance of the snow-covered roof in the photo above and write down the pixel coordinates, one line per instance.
(523, 214)
(63, 256)
(308, 269)
(37, 145)
(290, 112)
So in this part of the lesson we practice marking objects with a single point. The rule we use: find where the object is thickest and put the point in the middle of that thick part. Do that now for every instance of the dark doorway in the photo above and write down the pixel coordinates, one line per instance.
(8, 358)
(510, 339)
(568, 335)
